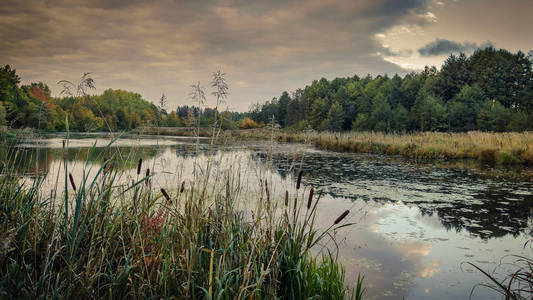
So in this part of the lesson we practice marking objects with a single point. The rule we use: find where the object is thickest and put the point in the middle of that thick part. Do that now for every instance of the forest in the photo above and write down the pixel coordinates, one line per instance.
(490, 90)
(32, 106)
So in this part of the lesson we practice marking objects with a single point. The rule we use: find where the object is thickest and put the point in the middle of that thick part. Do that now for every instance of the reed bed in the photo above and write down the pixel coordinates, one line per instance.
(95, 237)
(487, 147)
(500, 148)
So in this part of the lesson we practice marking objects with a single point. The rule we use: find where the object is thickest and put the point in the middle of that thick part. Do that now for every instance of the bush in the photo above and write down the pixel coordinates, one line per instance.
(248, 123)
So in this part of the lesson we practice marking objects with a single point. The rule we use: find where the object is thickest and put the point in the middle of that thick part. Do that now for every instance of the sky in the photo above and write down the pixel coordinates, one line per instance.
(263, 47)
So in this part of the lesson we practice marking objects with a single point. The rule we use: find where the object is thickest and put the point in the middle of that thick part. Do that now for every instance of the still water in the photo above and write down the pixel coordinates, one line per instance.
(416, 224)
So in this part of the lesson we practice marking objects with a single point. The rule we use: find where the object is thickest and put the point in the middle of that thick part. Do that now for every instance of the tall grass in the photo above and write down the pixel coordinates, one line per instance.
(518, 283)
(487, 147)
(96, 237)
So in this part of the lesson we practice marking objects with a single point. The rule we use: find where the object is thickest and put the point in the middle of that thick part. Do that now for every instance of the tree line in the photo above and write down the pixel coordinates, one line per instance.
(33, 106)
(490, 90)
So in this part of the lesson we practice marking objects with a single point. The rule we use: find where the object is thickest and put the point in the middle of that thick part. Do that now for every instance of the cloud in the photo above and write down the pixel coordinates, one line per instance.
(443, 46)
(165, 45)
(387, 51)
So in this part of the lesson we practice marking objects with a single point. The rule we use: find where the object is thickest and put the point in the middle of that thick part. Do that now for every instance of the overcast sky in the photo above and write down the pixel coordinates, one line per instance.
(264, 47)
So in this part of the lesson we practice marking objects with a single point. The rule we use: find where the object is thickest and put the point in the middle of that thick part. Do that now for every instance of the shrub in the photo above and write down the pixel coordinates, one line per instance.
(248, 123)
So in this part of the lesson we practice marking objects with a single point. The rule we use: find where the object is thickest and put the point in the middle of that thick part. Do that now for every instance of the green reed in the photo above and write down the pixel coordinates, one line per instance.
(95, 237)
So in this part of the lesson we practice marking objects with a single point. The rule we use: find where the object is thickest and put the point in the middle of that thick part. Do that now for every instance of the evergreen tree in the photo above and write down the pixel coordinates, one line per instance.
(493, 116)
(335, 117)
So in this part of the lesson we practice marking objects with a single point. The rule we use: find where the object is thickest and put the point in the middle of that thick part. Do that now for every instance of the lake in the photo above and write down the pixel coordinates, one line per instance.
(417, 224)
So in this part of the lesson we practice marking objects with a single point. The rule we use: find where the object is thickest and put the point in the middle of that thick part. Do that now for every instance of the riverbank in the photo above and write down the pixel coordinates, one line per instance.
(172, 131)
(510, 148)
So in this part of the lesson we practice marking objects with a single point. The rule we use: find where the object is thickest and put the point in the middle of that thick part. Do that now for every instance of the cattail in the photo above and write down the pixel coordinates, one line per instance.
(147, 174)
(294, 208)
(105, 162)
(139, 166)
(299, 179)
(339, 219)
(310, 200)
(72, 181)
(166, 195)
(286, 198)
(267, 191)
(182, 189)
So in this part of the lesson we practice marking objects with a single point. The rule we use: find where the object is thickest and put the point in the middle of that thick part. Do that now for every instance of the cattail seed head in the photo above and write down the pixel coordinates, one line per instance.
(72, 181)
(286, 198)
(339, 219)
(166, 195)
(267, 190)
(310, 200)
(182, 189)
(147, 182)
(299, 179)
(139, 165)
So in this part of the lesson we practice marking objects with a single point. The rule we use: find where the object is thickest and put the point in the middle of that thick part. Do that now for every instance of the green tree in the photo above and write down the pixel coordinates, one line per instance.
(283, 101)
(335, 117)
(493, 116)
(519, 121)
(454, 74)
(400, 119)
(173, 119)
(381, 116)
(361, 122)
(319, 114)
(430, 113)
(2, 115)
(464, 108)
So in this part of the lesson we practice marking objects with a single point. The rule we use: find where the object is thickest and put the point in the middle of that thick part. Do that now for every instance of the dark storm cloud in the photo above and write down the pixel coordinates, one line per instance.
(164, 45)
(442, 46)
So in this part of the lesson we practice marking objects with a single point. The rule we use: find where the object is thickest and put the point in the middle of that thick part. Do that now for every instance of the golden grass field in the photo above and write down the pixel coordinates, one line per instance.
(500, 148)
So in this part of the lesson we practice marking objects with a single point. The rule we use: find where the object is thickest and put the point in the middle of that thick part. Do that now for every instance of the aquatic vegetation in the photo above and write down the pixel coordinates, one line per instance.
(95, 237)
(487, 147)
(516, 285)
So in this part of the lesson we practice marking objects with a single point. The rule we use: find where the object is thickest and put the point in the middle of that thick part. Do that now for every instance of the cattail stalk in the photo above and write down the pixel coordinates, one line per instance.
(72, 181)
(310, 200)
(341, 217)
(299, 179)
(267, 191)
(139, 165)
(166, 195)
(147, 174)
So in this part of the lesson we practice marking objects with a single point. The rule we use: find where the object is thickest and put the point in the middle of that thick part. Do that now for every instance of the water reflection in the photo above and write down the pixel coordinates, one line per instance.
(415, 223)
(462, 199)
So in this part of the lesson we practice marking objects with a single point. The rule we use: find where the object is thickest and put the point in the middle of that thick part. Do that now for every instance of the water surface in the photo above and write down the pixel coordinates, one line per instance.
(416, 224)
